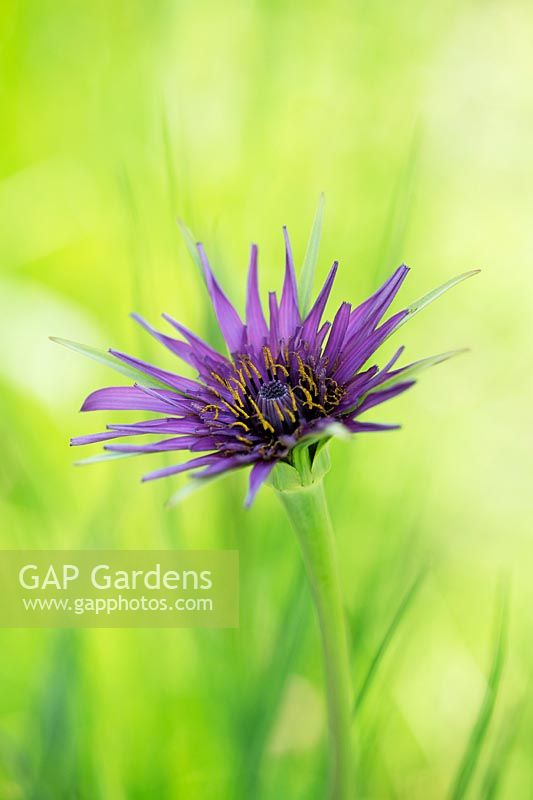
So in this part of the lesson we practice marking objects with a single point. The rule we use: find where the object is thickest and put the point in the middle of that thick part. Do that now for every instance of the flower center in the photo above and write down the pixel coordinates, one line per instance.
(276, 405)
(273, 390)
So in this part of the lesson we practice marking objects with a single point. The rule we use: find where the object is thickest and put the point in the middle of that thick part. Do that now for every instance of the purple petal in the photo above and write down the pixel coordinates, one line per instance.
(170, 378)
(258, 475)
(384, 374)
(130, 398)
(321, 335)
(338, 332)
(354, 426)
(289, 314)
(362, 348)
(175, 443)
(274, 320)
(179, 405)
(255, 319)
(92, 438)
(228, 319)
(164, 425)
(225, 464)
(199, 347)
(356, 387)
(180, 349)
(375, 398)
(175, 469)
(214, 443)
(373, 308)
(312, 321)
(394, 359)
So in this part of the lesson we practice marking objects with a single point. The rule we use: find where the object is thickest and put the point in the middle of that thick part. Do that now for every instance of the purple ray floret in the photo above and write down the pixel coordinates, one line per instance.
(281, 384)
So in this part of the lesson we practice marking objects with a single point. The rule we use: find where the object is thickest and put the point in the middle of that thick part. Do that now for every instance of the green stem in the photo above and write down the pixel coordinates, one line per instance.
(308, 512)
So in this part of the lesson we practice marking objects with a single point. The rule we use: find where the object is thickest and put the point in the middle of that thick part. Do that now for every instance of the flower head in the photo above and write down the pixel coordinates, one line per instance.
(283, 385)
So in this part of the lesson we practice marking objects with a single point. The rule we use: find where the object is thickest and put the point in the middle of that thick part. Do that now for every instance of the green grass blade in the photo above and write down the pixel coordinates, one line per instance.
(272, 683)
(494, 774)
(110, 361)
(479, 732)
(169, 162)
(311, 256)
(190, 243)
(53, 723)
(384, 645)
(136, 241)
(395, 227)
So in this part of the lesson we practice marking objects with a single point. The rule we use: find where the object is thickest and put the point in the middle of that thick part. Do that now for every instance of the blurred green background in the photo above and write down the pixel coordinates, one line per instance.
(415, 119)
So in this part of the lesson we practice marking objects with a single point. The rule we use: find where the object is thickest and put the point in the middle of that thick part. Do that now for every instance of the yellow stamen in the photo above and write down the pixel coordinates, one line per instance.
(220, 380)
(293, 398)
(291, 416)
(210, 407)
(276, 366)
(235, 411)
(267, 354)
(307, 394)
(255, 370)
(238, 383)
(240, 424)
(264, 422)
(279, 412)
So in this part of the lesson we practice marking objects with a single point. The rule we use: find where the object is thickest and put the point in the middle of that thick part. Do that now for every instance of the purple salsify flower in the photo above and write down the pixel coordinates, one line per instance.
(293, 382)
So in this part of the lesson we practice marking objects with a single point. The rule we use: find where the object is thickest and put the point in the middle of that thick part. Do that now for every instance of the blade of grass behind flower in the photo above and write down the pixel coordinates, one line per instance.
(479, 731)
(210, 329)
(495, 771)
(388, 637)
(271, 685)
(190, 243)
(177, 196)
(138, 255)
(305, 284)
(169, 163)
(53, 725)
(393, 238)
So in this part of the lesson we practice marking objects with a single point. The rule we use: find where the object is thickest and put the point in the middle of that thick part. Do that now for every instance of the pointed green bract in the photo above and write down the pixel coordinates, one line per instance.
(307, 274)
(96, 459)
(284, 478)
(407, 374)
(287, 478)
(110, 361)
(428, 298)
(322, 437)
(190, 488)
(418, 366)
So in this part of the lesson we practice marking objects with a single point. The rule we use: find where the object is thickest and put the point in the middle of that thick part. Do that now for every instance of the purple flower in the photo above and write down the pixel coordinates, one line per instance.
(292, 382)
